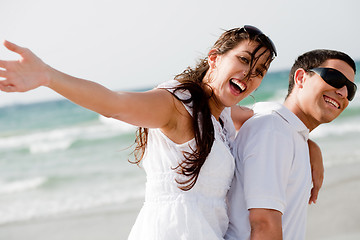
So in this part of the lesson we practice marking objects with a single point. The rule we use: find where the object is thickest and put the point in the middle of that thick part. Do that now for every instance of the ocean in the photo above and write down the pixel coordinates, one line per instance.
(58, 158)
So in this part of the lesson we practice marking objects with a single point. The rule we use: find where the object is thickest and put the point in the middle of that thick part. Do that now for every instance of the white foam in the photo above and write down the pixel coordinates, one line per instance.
(43, 147)
(25, 209)
(117, 124)
(279, 96)
(61, 139)
(21, 185)
(336, 129)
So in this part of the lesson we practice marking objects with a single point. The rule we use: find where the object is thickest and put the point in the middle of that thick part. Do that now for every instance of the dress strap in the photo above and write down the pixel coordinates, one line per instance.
(181, 94)
(228, 128)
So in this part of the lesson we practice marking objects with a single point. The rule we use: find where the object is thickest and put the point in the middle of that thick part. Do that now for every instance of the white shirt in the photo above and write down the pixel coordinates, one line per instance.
(272, 171)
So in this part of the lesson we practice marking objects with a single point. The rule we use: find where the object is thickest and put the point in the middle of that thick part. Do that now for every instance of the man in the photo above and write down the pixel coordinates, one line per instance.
(269, 195)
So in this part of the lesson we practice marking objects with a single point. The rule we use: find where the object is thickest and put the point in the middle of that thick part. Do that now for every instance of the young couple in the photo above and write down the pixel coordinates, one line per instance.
(199, 176)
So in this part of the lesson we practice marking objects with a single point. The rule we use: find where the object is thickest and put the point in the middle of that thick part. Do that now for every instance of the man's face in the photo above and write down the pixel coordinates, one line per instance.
(320, 101)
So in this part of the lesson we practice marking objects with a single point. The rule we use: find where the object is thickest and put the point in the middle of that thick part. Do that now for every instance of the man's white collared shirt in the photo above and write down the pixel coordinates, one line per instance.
(272, 171)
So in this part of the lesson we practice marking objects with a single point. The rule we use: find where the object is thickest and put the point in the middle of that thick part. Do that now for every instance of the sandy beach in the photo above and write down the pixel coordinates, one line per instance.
(336, 216)
(110, 223)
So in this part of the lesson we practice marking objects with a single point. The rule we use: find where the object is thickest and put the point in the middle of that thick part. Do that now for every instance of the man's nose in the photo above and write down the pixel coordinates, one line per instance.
(342, 92)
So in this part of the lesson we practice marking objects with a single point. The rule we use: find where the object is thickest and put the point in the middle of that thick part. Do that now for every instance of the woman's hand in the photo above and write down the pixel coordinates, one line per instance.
(153, 108)
(25, 74)
(317, 170)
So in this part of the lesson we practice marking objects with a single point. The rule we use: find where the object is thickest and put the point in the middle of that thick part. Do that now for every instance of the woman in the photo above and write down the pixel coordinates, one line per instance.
(185, 133)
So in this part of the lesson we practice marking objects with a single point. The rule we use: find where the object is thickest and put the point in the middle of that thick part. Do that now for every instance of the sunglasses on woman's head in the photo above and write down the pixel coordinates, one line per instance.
(336, 79)
(254, 31)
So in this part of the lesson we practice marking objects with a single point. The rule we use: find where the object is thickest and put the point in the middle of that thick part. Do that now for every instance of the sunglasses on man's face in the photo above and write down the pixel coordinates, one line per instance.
(336, 79)
(254, 31)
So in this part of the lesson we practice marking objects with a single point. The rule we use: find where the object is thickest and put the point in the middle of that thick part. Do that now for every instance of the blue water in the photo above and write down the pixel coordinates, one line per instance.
(56, 157)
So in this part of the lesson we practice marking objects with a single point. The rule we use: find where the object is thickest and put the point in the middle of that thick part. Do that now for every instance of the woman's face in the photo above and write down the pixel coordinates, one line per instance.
(229, 73)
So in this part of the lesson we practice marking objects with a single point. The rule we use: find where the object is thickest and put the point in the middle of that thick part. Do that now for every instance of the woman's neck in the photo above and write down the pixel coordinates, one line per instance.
(215, 108)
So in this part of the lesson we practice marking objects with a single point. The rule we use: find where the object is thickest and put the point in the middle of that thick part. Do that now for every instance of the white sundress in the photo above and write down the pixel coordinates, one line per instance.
(170, 213)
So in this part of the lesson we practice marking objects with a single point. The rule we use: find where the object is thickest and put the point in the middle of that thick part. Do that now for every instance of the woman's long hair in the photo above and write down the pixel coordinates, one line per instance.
(191, 80)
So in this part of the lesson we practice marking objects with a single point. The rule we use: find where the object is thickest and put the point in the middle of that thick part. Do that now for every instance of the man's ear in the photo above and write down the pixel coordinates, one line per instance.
(212, 56)
(299, 77)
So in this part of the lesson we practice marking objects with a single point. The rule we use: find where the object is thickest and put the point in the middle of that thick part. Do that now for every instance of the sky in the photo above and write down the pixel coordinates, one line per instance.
(126, 45)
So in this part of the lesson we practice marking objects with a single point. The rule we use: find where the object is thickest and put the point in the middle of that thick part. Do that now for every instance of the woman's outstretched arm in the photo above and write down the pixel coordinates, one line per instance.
(154, 108)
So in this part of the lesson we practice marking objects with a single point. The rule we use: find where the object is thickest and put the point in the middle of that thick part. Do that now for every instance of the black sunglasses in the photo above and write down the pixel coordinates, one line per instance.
(266, 41)
(336, 79)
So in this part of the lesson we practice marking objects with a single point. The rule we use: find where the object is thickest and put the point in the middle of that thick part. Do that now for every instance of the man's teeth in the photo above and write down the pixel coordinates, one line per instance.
(329, 100)
(241, 85)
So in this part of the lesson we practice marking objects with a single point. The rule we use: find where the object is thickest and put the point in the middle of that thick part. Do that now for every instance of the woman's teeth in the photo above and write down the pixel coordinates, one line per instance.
(241, 85)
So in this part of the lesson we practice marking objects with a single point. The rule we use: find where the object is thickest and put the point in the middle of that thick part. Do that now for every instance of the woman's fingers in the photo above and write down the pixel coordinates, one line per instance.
(318, 178)
(3, 64)
(7, 89)
(5, 86)
(3, 73)
(14, 48)
(314, 195)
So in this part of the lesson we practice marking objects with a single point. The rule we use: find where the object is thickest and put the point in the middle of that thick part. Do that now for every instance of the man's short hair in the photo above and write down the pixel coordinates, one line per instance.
(315, 58)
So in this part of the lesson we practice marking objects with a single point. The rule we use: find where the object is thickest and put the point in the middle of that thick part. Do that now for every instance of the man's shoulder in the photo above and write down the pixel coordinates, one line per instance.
(265, 123)
(265, 114)
(267, 107)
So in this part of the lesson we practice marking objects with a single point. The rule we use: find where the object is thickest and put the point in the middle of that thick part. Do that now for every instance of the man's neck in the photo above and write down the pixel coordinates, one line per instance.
(294, 107)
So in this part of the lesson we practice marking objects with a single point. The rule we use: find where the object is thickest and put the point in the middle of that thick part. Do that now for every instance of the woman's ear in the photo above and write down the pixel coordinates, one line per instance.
(212, 56)
(299, 77)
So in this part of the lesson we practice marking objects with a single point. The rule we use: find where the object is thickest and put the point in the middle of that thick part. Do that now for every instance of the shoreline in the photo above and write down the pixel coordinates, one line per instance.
(335, 216)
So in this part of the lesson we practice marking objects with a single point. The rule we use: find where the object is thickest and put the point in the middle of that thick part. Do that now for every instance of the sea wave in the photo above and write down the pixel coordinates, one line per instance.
(63, 138)
(117, 124)
(49, 146)
(8, 187)
(20, 210)
(337, 129)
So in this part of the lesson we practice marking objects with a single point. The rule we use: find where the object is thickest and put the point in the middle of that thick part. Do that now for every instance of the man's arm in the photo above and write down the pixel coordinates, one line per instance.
(265, 224)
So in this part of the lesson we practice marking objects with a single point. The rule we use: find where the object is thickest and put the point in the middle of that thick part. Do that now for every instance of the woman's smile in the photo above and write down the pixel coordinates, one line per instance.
(237, 87)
